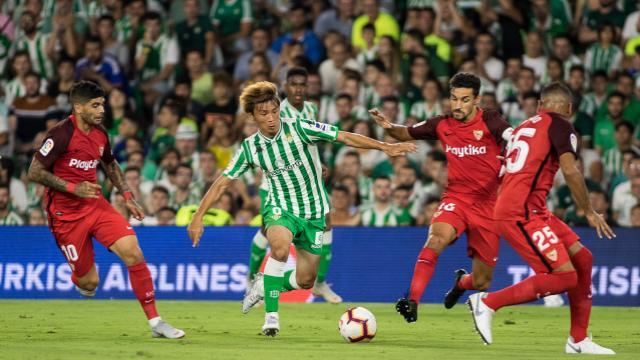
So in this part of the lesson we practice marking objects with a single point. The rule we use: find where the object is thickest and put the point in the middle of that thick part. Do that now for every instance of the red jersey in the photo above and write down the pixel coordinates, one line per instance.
(472, 150)
(531, 164)
(73, 156)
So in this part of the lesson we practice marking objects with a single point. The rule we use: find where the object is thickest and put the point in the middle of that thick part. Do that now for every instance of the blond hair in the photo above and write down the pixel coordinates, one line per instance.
(258, 93)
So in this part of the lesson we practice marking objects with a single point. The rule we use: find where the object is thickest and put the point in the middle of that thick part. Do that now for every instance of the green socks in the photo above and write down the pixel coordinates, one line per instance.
(258, 251)
(325, 257)
(273, 283)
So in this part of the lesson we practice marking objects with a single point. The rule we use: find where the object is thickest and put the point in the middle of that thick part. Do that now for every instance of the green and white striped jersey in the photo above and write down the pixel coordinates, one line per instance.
(12, 218)
(599, 58)
(370, 216)
(164, 51)
(36, 48)
(290, 163)
(422, 111)
(309, 110)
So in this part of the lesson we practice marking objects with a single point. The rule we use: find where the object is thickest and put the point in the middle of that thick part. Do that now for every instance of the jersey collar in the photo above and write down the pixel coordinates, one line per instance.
(276, 137)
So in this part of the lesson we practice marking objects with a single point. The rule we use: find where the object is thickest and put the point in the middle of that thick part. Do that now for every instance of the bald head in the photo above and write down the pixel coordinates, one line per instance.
(557, 97)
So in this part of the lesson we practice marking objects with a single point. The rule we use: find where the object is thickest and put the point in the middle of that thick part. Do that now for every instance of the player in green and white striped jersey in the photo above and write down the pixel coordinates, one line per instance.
(286, 151)
(295, 106)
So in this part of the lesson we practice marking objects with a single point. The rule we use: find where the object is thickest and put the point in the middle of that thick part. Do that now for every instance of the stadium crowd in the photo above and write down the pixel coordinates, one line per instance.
(173, 70)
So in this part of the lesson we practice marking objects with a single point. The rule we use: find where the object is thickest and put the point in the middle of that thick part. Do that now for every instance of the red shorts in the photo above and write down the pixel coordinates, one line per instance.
(104, 223)
(542, 241)
(474, 218)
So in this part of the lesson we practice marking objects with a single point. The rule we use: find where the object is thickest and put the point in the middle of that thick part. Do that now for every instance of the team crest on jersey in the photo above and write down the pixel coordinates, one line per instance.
(45, 149)
(574, 142)
(552, 255)
(289, 137)
(101, 150)
(478, 134)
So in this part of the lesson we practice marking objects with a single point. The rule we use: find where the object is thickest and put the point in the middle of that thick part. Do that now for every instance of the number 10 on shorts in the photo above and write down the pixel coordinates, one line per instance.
(70, 252)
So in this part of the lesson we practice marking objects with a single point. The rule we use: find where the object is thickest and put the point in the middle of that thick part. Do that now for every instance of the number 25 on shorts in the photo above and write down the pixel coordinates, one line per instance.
(544, 238)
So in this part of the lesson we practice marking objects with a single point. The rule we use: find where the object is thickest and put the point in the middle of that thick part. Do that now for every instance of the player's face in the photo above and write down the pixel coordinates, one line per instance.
(267, 115)
(463, 103)
(296, 88)
(91, 112)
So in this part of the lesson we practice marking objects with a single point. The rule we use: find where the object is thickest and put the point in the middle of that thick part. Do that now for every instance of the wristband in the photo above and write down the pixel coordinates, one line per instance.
(71, 187)
(127, 195)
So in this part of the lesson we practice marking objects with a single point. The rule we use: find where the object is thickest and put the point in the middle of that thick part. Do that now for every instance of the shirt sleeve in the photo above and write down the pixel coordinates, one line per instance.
(54, 145)
(317, 132)
(563, 136)
(238, 165)
(497, 126)
(426, 130)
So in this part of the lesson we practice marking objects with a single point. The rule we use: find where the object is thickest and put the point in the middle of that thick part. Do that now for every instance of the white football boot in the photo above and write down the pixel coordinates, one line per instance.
(586, 346)
(254, 294)
(164, 330)
(271, 325)
(323, 289)
(482, 316)
(553, 301)
(86, 293)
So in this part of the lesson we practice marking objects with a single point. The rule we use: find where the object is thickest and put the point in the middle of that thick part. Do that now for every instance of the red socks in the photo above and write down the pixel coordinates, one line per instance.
(142, 285)
(466, 282)
(532, 288)
(580, 296)
(422, 273)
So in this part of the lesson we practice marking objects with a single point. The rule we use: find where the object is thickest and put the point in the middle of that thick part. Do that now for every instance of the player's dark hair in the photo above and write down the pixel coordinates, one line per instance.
(83, 91)
(625, 123)
(297, 71)
(161, 189)
(344, 96)
(465, 80)
(558, 90)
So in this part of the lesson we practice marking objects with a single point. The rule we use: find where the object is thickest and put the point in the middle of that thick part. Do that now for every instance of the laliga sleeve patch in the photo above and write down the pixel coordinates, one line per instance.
(574, 142)
(45, 149)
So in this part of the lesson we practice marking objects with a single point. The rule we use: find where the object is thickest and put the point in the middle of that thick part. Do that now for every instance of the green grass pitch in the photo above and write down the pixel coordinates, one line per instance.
(102, 329)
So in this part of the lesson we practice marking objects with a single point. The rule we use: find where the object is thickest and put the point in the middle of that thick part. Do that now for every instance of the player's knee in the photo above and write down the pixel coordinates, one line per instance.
(306, 281)
(133, 256)
(90, 283)
(437, 242)
(280, 254)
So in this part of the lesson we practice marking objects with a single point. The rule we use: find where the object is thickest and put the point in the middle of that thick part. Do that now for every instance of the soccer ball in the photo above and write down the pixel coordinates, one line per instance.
(357, 324)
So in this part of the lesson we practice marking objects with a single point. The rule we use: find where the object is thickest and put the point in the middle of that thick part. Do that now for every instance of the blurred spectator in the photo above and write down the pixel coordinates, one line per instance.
(118, 107)
(431, 105)
(313, 48)
(512, 107)
(548, 18)
(99, 67)
(232, 21)
(20, 66)
(207, 171)
(605, 54)
(195, 33)
(110, 44)
(36, 217)
(383, 22)
(428, 209)
(350, 166)
(184, 193)
(601, 205)
(606, 13)
(402, 205)
(331, 69)
(223, 108)
(222, 143)
(342, 208)
(170, 117)
(201, 79)
(380, 212)
(187, 145)
(40, 47)
(260, 39)
(338, 18)
(158, 199)
(155, 58)
(635, 216)
(555, 71)
(603, 139)
(507, 86)
(593, 100)
(7, 215)
(30, 113)
(488, 65)
(563, 50)
(8, 175)
(625, 197)
(612, 158)
(534, 54)
(7, 35)
(59, 86)
(166, 216)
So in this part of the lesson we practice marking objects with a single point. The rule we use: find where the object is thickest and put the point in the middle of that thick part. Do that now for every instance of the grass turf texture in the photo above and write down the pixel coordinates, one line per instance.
(102, 329)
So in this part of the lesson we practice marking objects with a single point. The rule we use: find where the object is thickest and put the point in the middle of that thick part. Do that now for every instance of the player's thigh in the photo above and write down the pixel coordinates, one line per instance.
(483, 241)
(127, 248)
(565, 234)
(279, 237)
(537, 244)
(74, 241)
(110, 226)
(448, 223)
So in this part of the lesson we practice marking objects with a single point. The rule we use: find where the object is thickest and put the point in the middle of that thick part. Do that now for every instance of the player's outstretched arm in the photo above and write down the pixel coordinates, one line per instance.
(363, 142)
(398, 132)
(195, 228)
(39, 173)
(575, 181)
(114, 173)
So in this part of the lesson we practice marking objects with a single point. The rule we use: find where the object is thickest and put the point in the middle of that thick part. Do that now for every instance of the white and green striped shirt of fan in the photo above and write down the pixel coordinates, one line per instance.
(422, 111)
(370, 216)
(599, 58)
(289, 162)
(36, 48)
